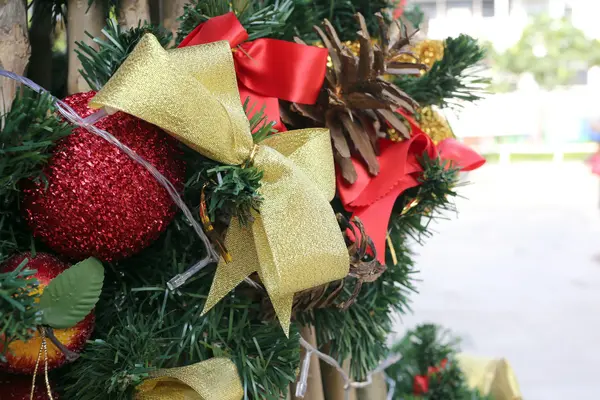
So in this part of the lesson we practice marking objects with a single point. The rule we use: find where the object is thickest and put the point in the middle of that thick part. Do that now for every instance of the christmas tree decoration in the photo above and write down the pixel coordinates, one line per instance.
(99, 202)
(18, 387)
(357, 103)
(298, 181)
(21, 355)
(267, 69)
(334, 268)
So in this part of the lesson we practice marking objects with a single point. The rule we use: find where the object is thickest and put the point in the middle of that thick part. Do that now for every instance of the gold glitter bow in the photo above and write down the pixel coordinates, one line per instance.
(294, 242)
(214, 379)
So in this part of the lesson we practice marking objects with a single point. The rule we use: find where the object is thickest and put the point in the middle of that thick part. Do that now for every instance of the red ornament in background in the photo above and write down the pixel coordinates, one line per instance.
(99, 202)
(21, 355)
(421, 382)
(18, 387)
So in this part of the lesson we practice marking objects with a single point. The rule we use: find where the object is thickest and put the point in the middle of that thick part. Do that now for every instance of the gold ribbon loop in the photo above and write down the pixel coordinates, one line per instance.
(294, 242)
(214, 379)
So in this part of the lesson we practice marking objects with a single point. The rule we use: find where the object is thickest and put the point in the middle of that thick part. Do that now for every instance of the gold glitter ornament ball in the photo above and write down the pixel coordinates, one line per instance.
(434, 125)
(426, 51)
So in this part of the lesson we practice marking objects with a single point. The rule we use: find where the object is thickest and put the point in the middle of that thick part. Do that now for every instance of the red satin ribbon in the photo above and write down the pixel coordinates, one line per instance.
(267, 69)
(372, 198)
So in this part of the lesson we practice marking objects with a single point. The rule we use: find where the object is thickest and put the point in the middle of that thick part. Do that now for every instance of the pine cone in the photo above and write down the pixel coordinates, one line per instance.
(356, 103)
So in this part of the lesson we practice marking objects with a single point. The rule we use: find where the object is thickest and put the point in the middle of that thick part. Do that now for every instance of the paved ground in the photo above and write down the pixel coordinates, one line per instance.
(514, 274)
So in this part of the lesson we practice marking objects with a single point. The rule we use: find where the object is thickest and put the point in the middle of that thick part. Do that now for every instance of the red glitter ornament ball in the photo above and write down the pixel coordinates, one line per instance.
(99, 202)
(21, 356)
(18, 387)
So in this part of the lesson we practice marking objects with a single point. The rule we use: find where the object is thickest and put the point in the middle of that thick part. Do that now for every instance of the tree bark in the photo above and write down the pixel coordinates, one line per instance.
(172, 9)
(78, 22)
(40, 37)
(132, 12)
(14, 47)
(314, 389)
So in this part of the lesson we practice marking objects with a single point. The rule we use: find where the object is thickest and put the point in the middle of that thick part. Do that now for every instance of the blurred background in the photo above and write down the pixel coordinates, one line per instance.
(517, 272)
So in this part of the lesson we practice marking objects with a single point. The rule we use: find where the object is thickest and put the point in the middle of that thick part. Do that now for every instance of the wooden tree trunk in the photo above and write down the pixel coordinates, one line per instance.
(78, 22)
(40, 36)
(314, 385)
(172, 9)
(14, 46)
(132, 12)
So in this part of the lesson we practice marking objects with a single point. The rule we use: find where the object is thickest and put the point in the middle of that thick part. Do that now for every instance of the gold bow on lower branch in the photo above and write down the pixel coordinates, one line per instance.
(214, 379)
(294, 242)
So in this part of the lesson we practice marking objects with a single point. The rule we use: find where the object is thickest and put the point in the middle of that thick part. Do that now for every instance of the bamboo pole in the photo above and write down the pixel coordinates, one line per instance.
(171, 11)
(375, 391)
(333, 384)
(132, 12)
(14, 47)
(40, 38)
(314, 389)
(78, 22)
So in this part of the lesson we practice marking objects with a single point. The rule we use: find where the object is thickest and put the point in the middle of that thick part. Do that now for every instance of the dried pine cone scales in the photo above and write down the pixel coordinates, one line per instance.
(357, 103)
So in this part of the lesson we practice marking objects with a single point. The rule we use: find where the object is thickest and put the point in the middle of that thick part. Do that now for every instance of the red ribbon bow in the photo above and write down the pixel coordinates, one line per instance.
(372, 198)
(267, 69)
(421, 382)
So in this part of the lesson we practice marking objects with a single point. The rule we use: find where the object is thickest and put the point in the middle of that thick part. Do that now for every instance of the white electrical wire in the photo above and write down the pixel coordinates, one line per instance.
(88, 123)
(302, 384)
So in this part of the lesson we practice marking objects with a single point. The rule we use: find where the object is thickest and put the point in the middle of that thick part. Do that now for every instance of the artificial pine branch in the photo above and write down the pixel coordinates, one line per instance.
(28, 132)
(265, 18)
(453, 80)
(419, 206)
(341, 14)
(18, 317)
(100, 64)
(285, 19)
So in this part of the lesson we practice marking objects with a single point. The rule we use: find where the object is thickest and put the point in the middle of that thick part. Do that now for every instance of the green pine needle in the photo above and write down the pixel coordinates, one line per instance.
(18, 315)
(100, 64)
(29, 131)
(434, 195)
(260, 18)
(453, 80)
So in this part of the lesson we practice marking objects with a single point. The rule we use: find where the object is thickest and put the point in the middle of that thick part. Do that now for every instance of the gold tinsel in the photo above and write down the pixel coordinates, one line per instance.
(426, 51)
(434, 125)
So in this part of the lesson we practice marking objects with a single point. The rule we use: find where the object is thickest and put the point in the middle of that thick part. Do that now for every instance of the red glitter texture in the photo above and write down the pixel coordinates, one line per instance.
(22, 356)
(99, 202)
(15, 387)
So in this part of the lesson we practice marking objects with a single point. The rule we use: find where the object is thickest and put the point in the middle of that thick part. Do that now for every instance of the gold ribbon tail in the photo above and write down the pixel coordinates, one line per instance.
(214, 379)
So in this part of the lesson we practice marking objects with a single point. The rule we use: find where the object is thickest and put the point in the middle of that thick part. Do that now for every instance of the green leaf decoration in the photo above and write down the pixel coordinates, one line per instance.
(71, 296)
